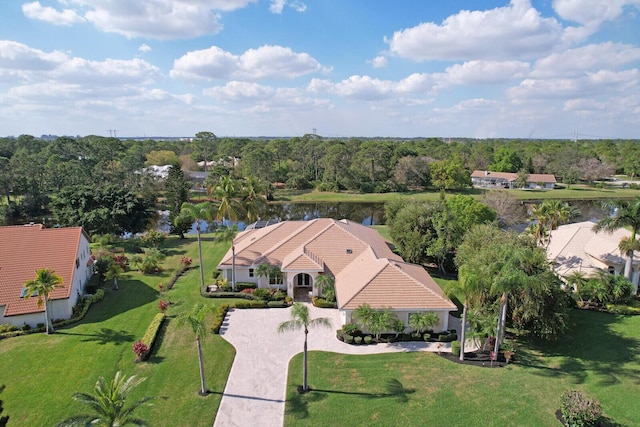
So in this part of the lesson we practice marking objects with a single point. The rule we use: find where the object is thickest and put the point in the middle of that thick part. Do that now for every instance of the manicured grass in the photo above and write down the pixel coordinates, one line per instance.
(598, 356)
(576, 192)
(42, 372)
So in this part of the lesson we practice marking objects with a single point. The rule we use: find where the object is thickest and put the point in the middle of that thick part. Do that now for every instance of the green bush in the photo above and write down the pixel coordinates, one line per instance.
(218, 320)
(455, 348)
(323, 303)
(150, 335)
(358, 340)
(348, 339)
(277, 304)
(340, 334)
(240, 286)
(262, 294)
(417, 336)
(251, 304)
(7, 327)
(626, 310)
(367, 339)
(351, 329)
(278, 295)
(579, 410)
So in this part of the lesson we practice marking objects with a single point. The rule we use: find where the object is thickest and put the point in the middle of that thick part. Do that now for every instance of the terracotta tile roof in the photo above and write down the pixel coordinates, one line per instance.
(365, 267)
(27, 248)
(509, 176)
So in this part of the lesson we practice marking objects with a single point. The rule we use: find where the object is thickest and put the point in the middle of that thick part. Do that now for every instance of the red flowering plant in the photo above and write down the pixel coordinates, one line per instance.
(140, 349)
(185, 262)
(163, 305)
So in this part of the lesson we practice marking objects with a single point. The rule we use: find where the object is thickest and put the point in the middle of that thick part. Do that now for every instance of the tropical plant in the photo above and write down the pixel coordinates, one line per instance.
(252, 198)
(198, 213)
(467, 284)
(579, 410)
(263, 270)
(140, 349)
(195, 321)
(327, 286)
(577, 280)
(227, 192)
(421, 321)
(375, 320)
(300, 319)
(113, 273)
(42, 285)
(626, 215)
(227, 234)
(109, 404)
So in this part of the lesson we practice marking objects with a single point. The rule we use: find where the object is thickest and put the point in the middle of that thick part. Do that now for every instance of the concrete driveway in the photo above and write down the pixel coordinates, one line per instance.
(255, 391)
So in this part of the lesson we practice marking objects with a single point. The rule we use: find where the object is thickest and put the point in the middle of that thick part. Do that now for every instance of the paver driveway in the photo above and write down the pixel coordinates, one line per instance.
(255, 391)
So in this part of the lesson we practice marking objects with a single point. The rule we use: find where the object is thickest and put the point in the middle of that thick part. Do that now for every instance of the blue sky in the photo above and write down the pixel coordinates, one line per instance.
(411, 68)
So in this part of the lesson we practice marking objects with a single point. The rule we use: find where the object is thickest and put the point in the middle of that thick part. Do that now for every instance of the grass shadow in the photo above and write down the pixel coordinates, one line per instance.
(104, 336)
(132, 294)
(592, 345)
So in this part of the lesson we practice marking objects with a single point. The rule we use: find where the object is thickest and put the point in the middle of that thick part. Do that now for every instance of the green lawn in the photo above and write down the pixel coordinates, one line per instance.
(598, 356)
(42, 372)
(576, 192)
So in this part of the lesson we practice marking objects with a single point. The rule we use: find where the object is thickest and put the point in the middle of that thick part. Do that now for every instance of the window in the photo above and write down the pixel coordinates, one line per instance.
(77, 262)
(25, 291)
(612, 270)
(251, 272)
(349, 251)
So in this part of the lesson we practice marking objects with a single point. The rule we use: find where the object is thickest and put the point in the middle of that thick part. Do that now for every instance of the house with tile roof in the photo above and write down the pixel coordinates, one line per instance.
(489, 179)
(365, 268)
(27, 248)
(576, 247)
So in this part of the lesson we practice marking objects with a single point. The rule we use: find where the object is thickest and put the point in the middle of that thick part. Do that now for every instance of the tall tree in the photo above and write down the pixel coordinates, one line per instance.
(205, 145)
(194, 320)
(197, 213)
(228, 193)
(42, 285)
(626, 215)
(301, 319)
(109, 404)
(450, 174)
(468, 284)
(176, 189)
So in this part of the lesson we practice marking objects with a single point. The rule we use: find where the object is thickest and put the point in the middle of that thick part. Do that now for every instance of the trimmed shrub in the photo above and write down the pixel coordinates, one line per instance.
(367, 339)
(240, 286)
(579, 410)
(323, 303)
(261, 293)
(221, 313)
(351, 329)
(455, 347)
(141, 350)
(357, 340)
(150, 335)
(277, 304)
(417, 336)
(278, 295)
(340, 334)
(348, 339)
(251, 304)
(7, 327)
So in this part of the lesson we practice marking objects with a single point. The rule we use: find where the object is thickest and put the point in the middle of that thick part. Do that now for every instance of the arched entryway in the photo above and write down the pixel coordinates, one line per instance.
(302, 287)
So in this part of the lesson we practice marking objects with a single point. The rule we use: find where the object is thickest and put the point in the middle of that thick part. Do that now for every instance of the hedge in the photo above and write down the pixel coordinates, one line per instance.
(277, 304)
(150, 335)
(226, 294)
(79, 311)
(221, 313)
(251, 304)
(323, 303)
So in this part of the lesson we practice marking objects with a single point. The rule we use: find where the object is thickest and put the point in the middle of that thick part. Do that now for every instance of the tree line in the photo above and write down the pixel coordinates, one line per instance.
(35, 172)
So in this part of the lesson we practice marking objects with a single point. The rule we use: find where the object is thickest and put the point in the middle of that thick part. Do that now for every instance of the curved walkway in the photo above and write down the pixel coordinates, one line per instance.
(256, 388)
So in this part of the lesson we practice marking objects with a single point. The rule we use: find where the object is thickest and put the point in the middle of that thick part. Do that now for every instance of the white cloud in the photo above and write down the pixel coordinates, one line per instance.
(109, 72)
(254, 64)
(484, 72)
(514, 31)
(18, 56)
(592, 13)
(575, 62)
(379, 62)
(277, 6)
(241, 91)
(144, 48)
(156, 19)
(66, 17)
(366, 88)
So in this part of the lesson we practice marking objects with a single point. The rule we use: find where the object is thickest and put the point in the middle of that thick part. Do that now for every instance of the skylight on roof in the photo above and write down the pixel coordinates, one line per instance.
(25, 291)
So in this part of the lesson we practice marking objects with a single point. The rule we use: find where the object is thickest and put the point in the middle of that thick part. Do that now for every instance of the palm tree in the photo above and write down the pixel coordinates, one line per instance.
(251, 199)
(327, 286)
(548, 216)
(421, 321)
(114, 272)
(195, 321)
(468, 283)
(227, 234)
(44, 283)
(198, 213)
(381, 320)
(263, 271)
(577, 280)
(108, 403)
(300, 320)
(227, 192)
(627, 215)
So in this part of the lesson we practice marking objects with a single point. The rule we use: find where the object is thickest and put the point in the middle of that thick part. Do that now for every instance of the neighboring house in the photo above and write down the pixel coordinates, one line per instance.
(27, 248)
(489, 179)
(361, 260)
(576, 247)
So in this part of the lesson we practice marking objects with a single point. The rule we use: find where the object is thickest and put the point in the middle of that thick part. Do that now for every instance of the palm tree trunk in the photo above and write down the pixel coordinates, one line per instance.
(203, 386)
(233, 268)
(47, 328)
(305, 386)
(628, 267)
(463, 329)
(200, 255)
(501, 324)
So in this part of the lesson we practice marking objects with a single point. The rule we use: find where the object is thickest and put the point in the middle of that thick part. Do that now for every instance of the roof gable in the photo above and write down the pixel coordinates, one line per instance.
(25, 249)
